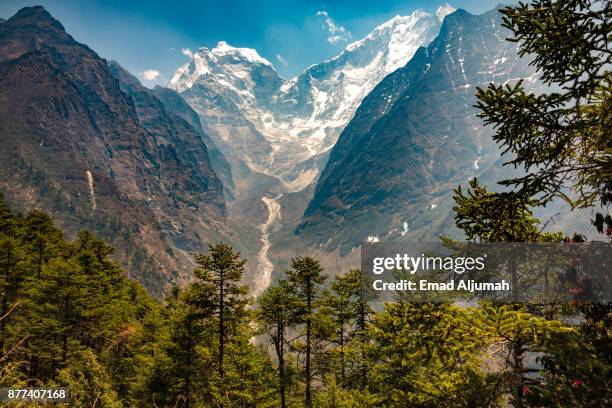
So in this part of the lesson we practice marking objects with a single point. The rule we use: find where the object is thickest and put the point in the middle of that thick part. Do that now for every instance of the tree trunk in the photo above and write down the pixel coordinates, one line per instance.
(189, 363)
(64, 348)
(517, 357)
(280, 351)
(342, 373)
(187, 392)
(308, 324)
(361, 335)
(221, 325)
(5, 298)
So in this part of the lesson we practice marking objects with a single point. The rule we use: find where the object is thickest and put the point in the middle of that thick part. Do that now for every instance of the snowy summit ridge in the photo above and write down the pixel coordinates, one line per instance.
(210, 62)
(300, 118)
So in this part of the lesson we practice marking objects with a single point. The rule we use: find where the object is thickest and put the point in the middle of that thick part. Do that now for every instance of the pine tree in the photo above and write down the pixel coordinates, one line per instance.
(222, 271)
(189, 357)
(561, 137)
(306, 278)
(12, 268)
(577, 366)
(518, 331)
(43, 238)
(7, 222)
(129, 353)
(426, 355)
(249, 379)
(502, 217)
(276, 313)
(335, 396)
(495, 217)
(364, 310)
(348, 310)
(88, 382)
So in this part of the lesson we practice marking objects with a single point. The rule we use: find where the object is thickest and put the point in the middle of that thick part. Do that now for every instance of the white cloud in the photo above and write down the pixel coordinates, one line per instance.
(150, 74)
(444, 10)
(187, 52)
(336, 32)
(281, 59)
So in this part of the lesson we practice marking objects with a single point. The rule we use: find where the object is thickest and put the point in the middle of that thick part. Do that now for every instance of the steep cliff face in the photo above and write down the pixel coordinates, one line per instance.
(78, 146)
(176, 106)
(182, 153)
(414, 138)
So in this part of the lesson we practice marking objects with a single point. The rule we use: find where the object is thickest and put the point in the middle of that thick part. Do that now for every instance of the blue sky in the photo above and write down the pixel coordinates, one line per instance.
(148, 36)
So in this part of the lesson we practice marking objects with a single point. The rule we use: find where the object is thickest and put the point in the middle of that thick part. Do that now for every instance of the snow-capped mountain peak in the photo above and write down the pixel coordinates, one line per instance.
(249, 54)
(223, 63)
(300, 118)
(404, 35)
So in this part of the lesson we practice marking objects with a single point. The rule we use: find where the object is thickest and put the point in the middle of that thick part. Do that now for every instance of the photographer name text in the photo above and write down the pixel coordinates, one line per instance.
(425, 285)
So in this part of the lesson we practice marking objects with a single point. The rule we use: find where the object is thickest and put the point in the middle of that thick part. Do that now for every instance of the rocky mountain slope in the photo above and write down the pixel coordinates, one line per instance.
(176, 106)
(102, 153)
(413, 139)
(285, 128)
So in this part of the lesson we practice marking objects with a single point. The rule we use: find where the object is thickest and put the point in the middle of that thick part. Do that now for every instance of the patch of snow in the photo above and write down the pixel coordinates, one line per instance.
(92, 193)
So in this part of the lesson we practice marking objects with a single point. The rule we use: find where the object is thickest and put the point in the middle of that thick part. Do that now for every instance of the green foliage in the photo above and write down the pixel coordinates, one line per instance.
(88, 382)
(562, 137)
(578, 365)
(73, 319)
(70, 317)
(305, 278)
(426, 355)
(250, 379)
(511, 324)
(495, 217)
(220, 273)
(335, 396)
(350, 310)
(277, 312)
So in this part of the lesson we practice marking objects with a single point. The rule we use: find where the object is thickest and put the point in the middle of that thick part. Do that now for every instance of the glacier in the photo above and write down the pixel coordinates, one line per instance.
(284, 128)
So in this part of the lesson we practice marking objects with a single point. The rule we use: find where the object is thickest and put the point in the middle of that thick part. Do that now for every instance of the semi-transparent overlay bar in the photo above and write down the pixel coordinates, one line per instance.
(500, 272)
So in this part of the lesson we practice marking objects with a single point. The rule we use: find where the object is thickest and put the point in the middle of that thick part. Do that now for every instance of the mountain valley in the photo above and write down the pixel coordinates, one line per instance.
(366, 146)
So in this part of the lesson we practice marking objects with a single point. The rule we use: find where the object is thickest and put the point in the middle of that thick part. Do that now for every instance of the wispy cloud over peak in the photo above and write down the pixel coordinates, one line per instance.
(187, 52)
(281, 59)
(336, 32)
(444, 10)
